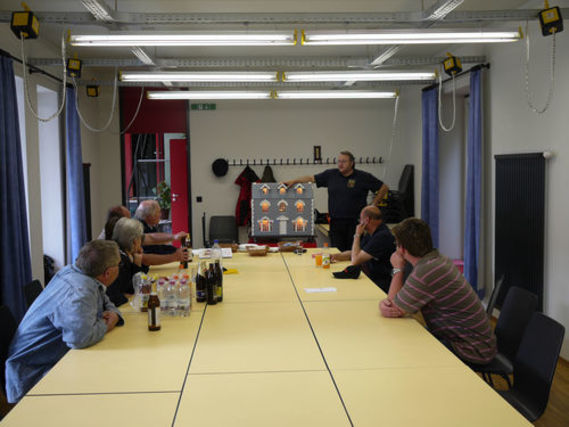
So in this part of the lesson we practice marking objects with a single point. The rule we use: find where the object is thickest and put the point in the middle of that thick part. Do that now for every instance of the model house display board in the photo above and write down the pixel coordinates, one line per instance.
(281, 211)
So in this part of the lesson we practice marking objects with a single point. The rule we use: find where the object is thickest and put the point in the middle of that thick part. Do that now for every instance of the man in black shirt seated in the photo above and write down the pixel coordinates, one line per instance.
(155, 242)
(373, 250)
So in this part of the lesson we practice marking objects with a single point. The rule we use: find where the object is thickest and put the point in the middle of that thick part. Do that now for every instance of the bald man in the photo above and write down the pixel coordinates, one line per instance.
(372, 247)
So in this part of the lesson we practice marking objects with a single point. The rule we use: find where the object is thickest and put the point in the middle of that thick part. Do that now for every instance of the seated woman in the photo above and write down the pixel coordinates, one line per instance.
(127, 233)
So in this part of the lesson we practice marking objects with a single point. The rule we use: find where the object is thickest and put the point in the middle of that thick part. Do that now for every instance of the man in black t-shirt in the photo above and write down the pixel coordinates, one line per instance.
(372, 250)
(347, 195)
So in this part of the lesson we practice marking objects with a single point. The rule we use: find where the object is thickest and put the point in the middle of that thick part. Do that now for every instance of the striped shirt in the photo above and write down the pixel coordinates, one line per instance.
(450, 307)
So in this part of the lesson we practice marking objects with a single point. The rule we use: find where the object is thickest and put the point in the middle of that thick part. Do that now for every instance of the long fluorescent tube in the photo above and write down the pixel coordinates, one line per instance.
(213, 76)
(334, 94)
(341, 76)
(187, 39)
(318, 38)
(169, 95)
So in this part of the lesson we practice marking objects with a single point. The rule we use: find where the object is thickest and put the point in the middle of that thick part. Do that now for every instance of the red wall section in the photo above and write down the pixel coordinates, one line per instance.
(155, 116)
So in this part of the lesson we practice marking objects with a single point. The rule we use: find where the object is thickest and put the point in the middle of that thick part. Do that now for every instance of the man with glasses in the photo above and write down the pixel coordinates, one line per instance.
(348, 189)
(72, 312)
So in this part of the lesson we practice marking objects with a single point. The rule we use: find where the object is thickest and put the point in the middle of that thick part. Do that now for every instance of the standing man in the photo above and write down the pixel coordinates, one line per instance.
(373, 249)
(72, 312)
(347, 195)
(452, 310)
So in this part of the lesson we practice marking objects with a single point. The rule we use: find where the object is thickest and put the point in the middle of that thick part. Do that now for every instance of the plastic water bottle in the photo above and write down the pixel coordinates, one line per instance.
(216, 252)
(169, 303)
(183, 298)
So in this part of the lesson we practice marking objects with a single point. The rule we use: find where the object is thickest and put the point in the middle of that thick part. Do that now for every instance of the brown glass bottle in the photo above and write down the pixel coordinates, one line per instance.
(153, 310)
(211, 285)
(218, 281)
(183, 264)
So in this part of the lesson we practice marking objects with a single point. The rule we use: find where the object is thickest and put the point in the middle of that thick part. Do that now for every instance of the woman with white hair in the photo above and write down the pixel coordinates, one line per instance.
(128, 233)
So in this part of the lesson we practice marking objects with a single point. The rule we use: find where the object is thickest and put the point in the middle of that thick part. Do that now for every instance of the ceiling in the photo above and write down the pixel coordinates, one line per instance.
(59, 16)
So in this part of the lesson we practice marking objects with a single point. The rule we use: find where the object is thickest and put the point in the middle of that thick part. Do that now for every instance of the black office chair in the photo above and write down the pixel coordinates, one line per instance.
(32, 291)
(516, 313)
(7, 332)
(494, 296)
(400, 203)
(534, 366)
(223, 228)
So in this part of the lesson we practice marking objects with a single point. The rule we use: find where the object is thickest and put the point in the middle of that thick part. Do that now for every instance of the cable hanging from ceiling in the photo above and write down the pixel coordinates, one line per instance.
(113, 109)
(443, 127)
(393, 135)
(26, 82)
(528, 93)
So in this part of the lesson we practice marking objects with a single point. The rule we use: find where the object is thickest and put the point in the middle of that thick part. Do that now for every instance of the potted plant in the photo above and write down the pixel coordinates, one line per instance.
(164, 198)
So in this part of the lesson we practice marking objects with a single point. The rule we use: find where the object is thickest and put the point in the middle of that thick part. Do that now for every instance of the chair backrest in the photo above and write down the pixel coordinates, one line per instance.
(515, 315)
(223, 228)
(494, 296)
(32, 291)
(536, 360)
(7, 332)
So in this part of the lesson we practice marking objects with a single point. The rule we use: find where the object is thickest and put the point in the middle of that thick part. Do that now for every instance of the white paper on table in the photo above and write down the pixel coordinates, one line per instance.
(316, 290)
(226, 253)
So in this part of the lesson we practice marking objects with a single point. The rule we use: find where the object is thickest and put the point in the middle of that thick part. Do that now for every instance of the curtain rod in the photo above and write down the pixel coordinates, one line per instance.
(474, 68)
(32, 67)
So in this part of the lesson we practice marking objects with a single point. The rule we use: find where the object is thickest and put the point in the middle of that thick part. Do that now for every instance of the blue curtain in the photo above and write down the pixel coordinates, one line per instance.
(76, 215)
(430, 179)
(15, 264)
(473, 181)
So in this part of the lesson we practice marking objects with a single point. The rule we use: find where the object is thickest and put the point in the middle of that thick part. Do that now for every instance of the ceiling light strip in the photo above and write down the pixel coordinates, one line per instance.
(332, 76)
(213, 76)
(206, 95)
(188, 39)
(335, 94)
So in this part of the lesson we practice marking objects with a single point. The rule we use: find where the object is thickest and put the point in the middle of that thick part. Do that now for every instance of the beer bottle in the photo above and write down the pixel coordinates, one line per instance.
(183, 264)
(219, 281)
(153, 310)
(211, 288)
(201, 282)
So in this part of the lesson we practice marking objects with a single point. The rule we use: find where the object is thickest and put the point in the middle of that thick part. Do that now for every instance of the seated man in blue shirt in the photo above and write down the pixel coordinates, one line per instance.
(373, 250)
(72, 312)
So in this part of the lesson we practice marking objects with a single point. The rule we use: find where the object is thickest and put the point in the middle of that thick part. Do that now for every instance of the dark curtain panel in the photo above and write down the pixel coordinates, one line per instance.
(76, 216)
(430, 179)
(473, 181)
(15, 264)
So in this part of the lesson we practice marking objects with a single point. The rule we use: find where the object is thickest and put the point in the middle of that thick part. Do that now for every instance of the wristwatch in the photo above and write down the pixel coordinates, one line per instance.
(395, 271)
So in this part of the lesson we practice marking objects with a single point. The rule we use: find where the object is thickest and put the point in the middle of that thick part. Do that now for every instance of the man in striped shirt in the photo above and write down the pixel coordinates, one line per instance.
(452, 310)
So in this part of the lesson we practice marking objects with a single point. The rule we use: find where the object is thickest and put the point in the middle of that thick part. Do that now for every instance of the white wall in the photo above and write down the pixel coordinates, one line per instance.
(101, 149)
(513, 128)
(289, 129)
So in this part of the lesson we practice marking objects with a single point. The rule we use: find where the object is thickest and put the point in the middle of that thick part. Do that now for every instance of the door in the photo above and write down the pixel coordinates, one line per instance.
(179, 184)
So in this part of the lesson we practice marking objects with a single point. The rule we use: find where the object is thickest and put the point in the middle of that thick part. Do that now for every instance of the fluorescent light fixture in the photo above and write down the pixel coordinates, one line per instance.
(389, 37)
(203, 95)
(187, 39)
(333, 94)
(342, 76)
(212, 76)
(142, 55)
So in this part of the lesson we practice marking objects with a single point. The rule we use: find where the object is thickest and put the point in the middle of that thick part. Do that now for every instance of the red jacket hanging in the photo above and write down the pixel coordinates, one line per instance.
(243, 208)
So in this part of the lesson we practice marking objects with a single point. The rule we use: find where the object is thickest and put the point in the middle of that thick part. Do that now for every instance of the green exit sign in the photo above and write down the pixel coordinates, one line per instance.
(203, 107)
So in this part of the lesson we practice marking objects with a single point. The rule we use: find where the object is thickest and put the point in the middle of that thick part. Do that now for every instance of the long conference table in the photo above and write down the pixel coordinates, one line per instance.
(289, 346)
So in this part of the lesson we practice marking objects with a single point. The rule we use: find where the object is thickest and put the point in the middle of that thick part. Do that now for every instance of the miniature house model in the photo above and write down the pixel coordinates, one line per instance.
(283, 204)
(272, 207)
